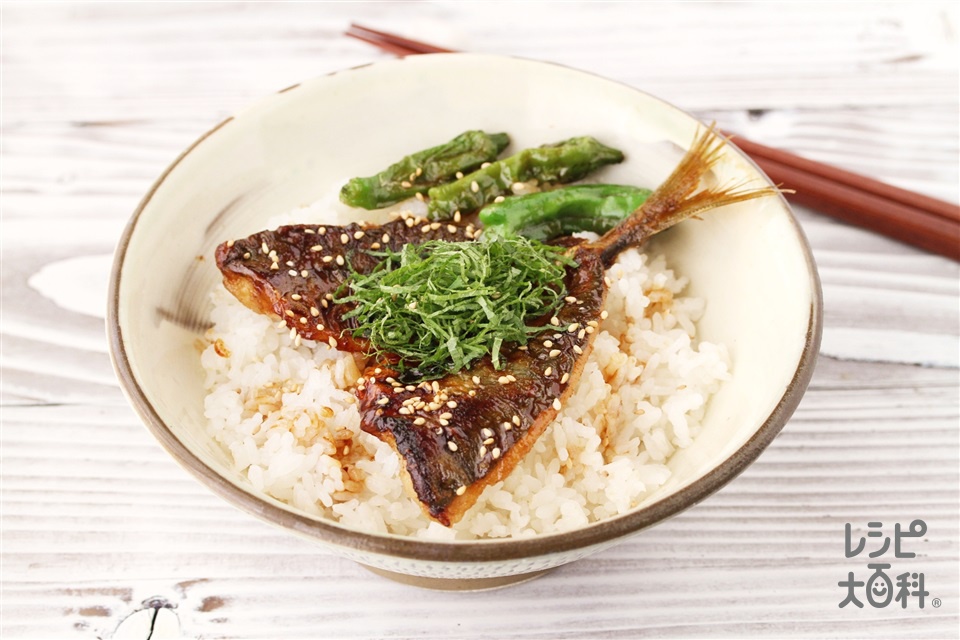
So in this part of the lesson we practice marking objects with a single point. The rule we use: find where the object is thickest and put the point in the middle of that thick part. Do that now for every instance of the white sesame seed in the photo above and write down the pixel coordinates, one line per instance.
(303, 320)
(486, 433)
(548, 371)
(304, 273)
(418, 196)
(495, 453)
(295, 296)
(590, 329)
(264, 247)
(461, 490)
(446, 415)
(582, 333)
(570, 299)
(405, 411)
(412, 305)
(507, 426)
(405, 184)
(556, 404)
(316, 248)
(419, 171)
(476, 379)
(230, 243)
(332, 342)
(328, 258)
(474, 186)
(604, 315)
(357, 235)
(511, 378)
(555, 321)
(564, 379)
(319, 327)
(340, 260)
(516, 420)
(573, 327)
(456, 216)
(516, 186)
(420, 421)
(309, 231)
(452, 404)
(383, 400)
(246, 256)
(472, 393)
(459, 174)
(554, 353)
(499, 199)
(452, 446)
(451, 228)
(289, 313)
(577, 350)
(375, 246)
(293, 272)
(444, 422)
(503, 380)
(321, 230)
(548, 343)
(293, 333)
(274, 266)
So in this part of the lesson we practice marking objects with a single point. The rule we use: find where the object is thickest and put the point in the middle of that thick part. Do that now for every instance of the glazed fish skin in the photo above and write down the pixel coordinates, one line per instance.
(468, 430)
(415, 416)
(295, 271)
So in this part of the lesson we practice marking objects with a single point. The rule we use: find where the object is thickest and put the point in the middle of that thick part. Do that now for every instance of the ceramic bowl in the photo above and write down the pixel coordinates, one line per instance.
(752, 264)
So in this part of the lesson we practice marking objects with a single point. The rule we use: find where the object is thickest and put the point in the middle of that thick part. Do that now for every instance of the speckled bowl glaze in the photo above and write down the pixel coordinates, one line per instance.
(750, 262)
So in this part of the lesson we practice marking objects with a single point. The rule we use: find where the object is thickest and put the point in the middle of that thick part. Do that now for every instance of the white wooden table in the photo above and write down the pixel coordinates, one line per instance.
(98, 522)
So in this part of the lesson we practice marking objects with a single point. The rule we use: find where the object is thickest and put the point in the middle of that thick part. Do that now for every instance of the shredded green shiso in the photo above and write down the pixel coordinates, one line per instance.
(442, 305)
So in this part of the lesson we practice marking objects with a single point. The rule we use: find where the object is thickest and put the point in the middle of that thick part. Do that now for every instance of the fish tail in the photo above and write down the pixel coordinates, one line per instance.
(680, 197)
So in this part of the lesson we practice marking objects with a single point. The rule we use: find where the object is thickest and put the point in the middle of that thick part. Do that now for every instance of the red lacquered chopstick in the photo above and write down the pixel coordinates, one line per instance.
(393, 43)
(922, 221)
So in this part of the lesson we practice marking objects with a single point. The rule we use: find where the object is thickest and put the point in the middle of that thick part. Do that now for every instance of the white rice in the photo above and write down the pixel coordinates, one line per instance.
(285, 412)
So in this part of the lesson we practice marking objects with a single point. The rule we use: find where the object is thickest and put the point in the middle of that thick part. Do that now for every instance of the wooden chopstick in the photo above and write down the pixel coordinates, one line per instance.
(863, 183)
(918, 227)
(913, 218)
(392, 43)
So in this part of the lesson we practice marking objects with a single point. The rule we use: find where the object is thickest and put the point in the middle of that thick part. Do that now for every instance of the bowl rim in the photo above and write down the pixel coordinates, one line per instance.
(465, 551)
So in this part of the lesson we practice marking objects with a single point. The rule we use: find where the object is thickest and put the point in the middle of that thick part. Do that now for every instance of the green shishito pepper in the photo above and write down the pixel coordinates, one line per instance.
(562, 162)
(420, 171)
(550, 214)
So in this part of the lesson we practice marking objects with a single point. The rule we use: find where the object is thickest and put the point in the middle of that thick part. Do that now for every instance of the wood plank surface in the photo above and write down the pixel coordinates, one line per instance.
(104, 536)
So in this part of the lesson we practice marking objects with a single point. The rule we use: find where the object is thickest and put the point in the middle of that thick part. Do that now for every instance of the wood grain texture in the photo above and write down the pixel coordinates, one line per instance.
(98, 522)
